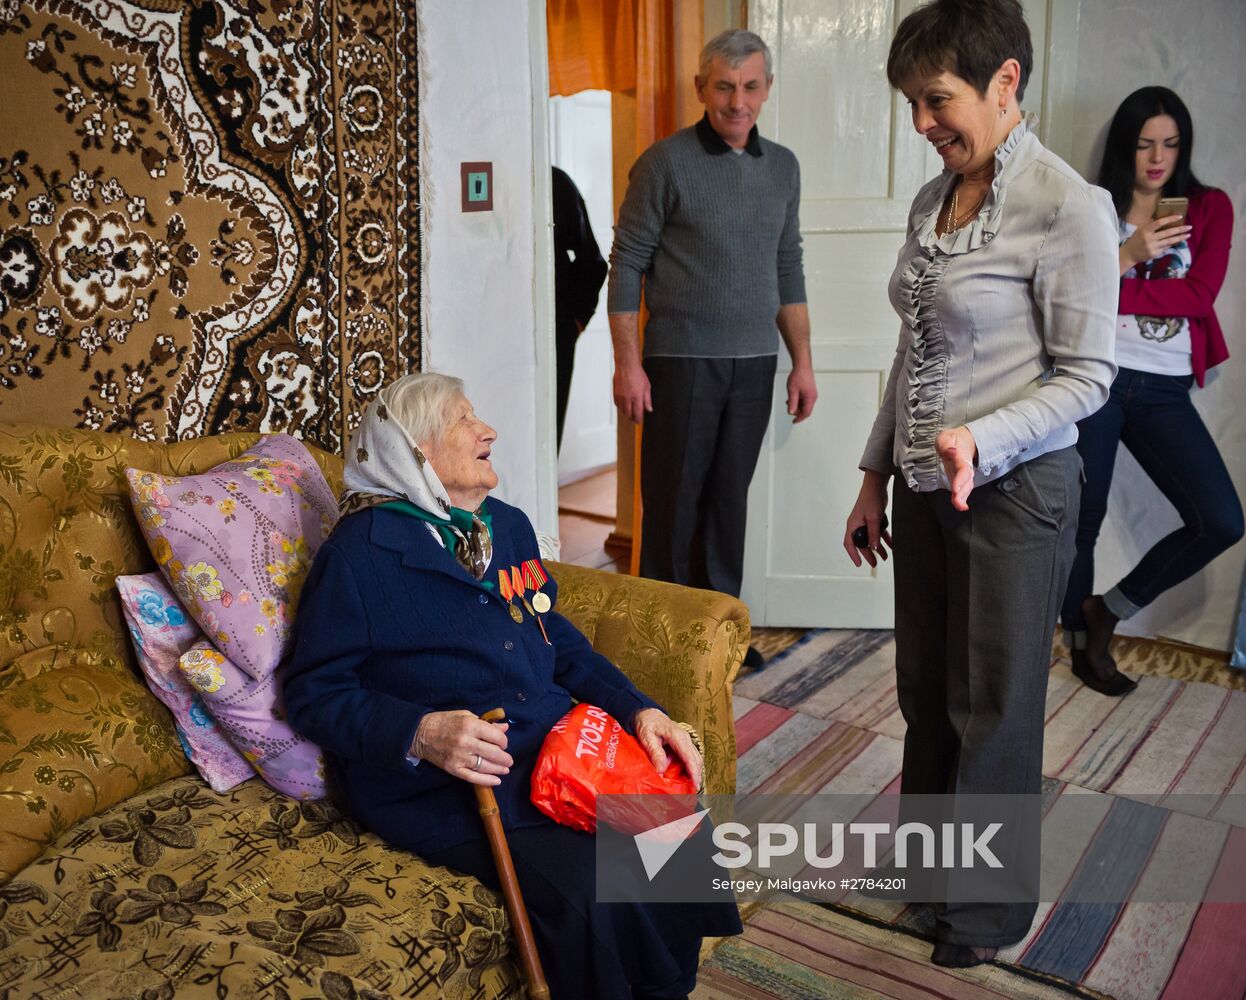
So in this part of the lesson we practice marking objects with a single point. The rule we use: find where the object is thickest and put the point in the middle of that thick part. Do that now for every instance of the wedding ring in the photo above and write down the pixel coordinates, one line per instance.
(476, 766)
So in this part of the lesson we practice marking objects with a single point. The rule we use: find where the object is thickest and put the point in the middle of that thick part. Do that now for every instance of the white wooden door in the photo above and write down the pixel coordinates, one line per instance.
(581, 144)
(861, 163)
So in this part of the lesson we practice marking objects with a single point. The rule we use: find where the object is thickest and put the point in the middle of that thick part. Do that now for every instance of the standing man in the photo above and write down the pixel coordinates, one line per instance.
(709, 228)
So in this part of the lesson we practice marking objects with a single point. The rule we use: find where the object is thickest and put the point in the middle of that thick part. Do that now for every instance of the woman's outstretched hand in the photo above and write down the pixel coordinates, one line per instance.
(658, 735)
(456, 741)
(958, 451)
(868, 512)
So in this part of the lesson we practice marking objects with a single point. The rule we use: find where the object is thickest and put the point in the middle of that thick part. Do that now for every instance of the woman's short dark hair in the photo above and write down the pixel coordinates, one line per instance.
(1120, 152)
(971, 38)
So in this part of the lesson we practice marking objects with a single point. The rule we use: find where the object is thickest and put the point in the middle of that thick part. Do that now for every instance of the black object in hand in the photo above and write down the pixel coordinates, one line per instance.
(861, 536)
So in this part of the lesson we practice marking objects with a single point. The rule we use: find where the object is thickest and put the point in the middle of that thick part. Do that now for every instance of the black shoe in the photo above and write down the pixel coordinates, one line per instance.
(753, 660)
(961, 956)
(1114, 684)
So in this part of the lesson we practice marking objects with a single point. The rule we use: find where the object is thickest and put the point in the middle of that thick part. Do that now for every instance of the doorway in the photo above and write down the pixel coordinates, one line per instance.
(581, 145)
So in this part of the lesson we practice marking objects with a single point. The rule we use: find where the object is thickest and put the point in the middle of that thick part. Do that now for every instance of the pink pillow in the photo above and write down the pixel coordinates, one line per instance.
(236, 542)
(252, 714)
(162, 632)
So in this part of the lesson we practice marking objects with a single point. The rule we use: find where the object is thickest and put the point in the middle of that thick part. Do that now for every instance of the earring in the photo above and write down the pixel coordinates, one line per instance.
(1003, 112)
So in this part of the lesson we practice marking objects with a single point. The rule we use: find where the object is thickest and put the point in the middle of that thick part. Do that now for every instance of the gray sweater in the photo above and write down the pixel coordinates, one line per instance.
(715, 239)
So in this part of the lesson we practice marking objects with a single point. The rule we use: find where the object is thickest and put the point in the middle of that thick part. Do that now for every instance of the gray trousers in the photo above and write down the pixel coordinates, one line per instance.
(698, 454)
(977, 594)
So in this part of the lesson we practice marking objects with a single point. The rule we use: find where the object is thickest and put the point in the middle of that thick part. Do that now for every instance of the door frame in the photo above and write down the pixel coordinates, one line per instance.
(544, 390)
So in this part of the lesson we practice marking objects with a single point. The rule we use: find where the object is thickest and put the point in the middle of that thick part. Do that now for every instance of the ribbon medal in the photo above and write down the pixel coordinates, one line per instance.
(508, 595)
(535, 578)
(517, 583)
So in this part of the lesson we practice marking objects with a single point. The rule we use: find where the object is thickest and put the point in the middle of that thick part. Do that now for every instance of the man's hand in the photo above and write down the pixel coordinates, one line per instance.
(802, 388)
(456, 741)
(631, 392)
(657, 733)
(631, 384)
(958, 451)
(802, 392)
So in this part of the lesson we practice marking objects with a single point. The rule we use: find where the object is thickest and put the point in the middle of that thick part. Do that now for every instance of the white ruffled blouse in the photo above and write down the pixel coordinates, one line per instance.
(1007, 324)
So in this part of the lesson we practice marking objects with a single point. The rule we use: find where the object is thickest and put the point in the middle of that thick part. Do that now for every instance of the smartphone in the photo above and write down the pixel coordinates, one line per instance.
(1172, 206)
(861, 535)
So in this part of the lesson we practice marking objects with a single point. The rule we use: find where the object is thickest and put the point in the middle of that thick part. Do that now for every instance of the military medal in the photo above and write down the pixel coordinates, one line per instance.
(508, 595)
(535, 578)
(517, 584)
(517, 581)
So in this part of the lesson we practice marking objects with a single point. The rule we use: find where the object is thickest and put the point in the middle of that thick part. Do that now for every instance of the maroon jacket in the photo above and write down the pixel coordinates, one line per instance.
(1211, 219)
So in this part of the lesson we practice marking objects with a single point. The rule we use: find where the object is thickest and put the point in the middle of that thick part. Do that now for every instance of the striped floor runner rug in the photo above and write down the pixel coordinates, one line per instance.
(823, 718)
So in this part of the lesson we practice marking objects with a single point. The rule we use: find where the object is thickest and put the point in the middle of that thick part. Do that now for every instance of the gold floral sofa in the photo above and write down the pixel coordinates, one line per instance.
(122, 874)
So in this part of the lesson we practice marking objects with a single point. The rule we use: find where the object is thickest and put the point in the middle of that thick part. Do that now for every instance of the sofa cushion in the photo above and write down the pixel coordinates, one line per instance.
(236, 542)
(184, 891)
(252, 714)
(162, 631)
(67, 530)
(75, 738)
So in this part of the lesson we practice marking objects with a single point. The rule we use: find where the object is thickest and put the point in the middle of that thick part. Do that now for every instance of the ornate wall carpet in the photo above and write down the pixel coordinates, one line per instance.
(209, 214)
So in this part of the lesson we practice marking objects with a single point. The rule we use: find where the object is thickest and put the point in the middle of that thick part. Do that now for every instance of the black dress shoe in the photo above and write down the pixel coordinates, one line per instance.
(961, 956)
(1114, 684)
(753, 659)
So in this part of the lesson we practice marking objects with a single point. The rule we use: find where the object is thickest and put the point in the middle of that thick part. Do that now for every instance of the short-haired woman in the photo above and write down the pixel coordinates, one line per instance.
(1167, 337)
(1005, 287)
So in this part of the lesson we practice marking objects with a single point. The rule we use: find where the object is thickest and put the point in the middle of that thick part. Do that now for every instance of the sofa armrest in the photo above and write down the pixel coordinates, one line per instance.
(682, 647)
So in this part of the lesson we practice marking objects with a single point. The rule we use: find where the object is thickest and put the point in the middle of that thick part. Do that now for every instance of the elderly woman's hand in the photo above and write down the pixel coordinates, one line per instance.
(464, 745)
(657, 733)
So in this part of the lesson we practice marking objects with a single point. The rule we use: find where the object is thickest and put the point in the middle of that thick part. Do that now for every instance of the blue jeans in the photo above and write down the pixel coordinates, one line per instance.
(1152, 415)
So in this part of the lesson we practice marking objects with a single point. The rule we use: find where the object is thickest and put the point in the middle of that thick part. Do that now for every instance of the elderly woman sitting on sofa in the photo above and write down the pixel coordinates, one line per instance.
(409, 627)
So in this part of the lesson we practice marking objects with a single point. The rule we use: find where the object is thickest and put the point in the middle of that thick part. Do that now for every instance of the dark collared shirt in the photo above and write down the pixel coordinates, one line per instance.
(716, 145)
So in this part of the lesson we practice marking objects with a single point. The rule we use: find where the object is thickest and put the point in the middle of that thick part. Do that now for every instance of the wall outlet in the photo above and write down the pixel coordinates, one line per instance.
(477, 182)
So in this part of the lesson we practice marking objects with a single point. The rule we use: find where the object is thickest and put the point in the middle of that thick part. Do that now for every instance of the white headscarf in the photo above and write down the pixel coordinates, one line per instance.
(384, 465)
(383, 460)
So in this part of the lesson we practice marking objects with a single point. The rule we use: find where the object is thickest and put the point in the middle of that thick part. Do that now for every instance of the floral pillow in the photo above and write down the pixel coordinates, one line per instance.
(252, 713)
(236, 542)
(161, 633)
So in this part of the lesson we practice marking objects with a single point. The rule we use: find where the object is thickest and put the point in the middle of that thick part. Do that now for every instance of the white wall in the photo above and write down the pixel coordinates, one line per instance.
(1196, 49)
(485, 298)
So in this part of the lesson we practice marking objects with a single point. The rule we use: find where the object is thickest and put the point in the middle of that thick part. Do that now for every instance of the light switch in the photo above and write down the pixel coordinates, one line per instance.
(477, 182)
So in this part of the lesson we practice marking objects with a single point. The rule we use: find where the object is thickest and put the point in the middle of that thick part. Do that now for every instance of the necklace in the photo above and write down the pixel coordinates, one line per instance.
(954, 219)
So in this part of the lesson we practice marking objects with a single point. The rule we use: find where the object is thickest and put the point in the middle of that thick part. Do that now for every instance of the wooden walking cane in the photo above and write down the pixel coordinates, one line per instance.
(528, 957)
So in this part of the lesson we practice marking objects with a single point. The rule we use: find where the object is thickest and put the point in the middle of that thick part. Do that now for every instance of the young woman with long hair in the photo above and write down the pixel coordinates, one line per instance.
(1167, 337)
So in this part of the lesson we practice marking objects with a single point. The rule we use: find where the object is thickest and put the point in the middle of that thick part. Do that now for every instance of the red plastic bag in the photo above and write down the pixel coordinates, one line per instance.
(587, 754)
